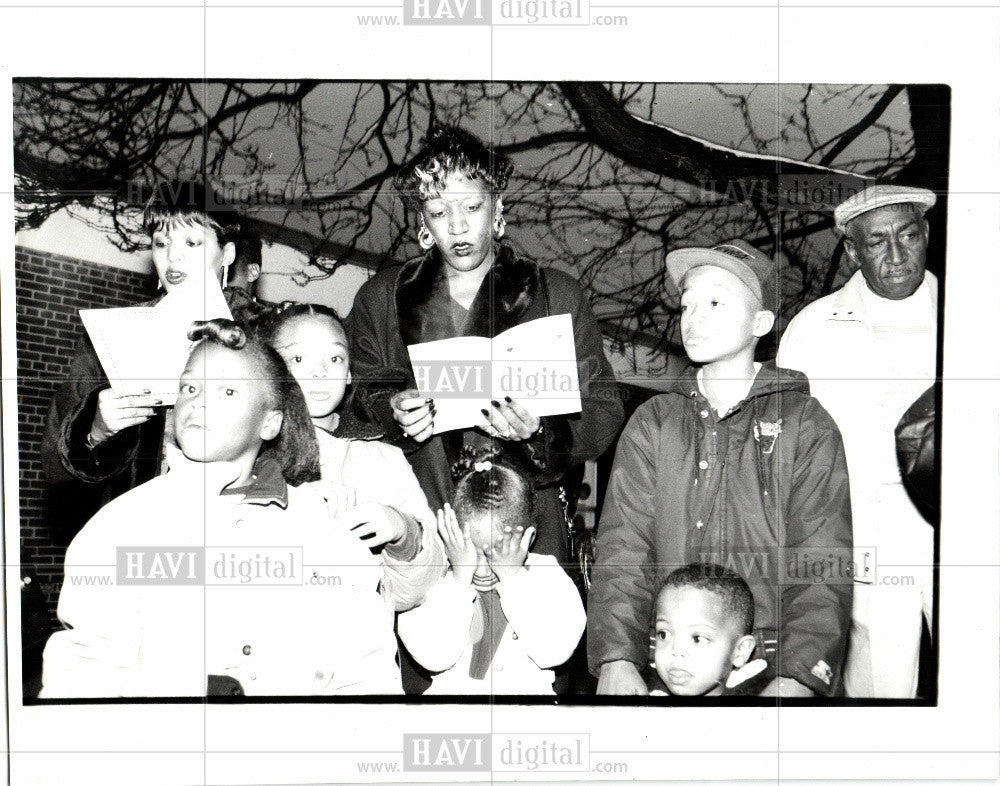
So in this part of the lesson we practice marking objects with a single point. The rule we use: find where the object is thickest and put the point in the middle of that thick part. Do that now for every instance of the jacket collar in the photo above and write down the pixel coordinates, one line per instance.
(507, 291)
(353, 428)
(267, 487)
(848, 305)
(770, 379)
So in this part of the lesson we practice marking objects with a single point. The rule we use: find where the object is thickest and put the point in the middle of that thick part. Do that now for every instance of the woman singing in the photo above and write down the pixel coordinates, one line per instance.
(470, 282)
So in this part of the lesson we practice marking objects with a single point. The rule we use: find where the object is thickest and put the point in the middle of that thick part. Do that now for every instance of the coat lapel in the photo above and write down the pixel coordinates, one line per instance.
(507, 292)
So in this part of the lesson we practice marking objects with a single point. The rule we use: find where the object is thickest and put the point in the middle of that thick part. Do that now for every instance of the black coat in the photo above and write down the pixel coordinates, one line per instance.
(409, 304)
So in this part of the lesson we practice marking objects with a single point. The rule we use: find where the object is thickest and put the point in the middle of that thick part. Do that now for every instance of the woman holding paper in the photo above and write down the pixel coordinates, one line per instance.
(471, 283)
(113, 442)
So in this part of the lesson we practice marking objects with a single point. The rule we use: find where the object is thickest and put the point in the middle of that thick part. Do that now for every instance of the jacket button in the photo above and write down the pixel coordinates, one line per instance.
(703, 464)
(247, 649)
(237, 692)
(513, 636)
(704, 413)
(699, 524)
(239, 522)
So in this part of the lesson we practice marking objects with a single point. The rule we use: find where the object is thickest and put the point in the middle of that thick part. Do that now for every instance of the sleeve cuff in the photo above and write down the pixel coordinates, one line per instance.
(409, 545)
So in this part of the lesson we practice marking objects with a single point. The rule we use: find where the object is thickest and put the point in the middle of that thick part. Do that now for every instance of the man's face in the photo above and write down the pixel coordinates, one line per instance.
(890, 245)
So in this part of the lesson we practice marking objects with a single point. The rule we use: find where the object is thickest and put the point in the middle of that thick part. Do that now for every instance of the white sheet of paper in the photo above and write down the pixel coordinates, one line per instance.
(533, 363)
(144, 348)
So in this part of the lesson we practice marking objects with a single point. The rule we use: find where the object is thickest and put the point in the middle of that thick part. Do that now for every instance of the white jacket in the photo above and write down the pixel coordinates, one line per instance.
(377, 472)
(330, 631)
(866, 384)
(545, 621)
(866, 369)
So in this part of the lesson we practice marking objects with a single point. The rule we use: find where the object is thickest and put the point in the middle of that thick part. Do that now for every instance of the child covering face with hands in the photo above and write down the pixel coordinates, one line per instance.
(503, 617)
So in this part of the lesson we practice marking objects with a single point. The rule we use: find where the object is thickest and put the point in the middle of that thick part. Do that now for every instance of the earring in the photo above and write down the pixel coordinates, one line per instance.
(499, 223)
(225, 276)
(424, 237)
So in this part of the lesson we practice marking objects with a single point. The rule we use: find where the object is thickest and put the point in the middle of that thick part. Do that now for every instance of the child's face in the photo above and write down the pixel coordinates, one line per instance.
(189, 253)
(483, 531)
(720, 316)
(222, 412)
(696, 641)
(315, 350)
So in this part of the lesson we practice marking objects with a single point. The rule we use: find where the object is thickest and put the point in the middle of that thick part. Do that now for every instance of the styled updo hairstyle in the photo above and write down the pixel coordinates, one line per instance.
(189, 203)
(450, 150)
(490, 483)
(295, 447)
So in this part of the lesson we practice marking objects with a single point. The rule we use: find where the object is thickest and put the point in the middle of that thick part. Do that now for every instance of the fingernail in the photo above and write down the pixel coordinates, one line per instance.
(146, 391)
(485, 414)
(157, 402)
(508, 399)
(496, 404)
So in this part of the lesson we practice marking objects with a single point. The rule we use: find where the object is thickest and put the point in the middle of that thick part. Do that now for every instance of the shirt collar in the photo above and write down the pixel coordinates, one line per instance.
(267, 486)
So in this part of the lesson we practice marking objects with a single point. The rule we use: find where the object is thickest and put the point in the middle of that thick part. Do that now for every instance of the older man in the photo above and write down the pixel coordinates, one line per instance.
(869, 350)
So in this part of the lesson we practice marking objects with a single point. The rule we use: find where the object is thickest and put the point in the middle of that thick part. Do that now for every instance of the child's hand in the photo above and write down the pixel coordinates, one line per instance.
(115, 412)
(339, 498)
(414, 413)
(374, 524)
(507, 557)
(457, 545)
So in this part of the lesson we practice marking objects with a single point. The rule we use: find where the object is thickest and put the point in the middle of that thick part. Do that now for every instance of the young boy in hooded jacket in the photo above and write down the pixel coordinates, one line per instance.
(737, 465)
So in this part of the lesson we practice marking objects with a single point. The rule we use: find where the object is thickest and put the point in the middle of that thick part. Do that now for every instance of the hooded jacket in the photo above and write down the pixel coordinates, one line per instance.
(410, 304)
(762, 491)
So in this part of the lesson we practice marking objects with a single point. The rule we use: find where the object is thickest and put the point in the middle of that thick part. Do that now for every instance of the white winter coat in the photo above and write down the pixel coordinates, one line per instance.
(545, 619)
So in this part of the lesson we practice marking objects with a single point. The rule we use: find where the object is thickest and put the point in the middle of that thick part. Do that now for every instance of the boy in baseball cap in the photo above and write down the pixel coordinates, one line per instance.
(736, 465)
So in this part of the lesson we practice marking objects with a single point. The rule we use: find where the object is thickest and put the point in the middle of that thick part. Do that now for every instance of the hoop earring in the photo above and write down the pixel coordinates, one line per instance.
(424, 237)
(499, 223)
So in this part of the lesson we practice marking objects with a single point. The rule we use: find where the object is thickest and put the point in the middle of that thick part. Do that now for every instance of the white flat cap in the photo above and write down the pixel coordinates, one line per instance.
(878, 196)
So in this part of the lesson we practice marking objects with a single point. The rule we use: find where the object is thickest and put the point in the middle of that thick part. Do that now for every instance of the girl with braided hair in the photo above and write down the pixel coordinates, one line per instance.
(503, 617)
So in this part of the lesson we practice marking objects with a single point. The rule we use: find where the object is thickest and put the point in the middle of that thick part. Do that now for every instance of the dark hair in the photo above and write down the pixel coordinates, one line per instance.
(450, 150)
(248, 251)
(190, 202)
(489, 482)
(295, 447)
(724, 583)
(269, 325)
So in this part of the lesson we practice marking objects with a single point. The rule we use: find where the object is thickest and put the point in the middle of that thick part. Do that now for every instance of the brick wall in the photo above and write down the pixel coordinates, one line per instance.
(50, 290)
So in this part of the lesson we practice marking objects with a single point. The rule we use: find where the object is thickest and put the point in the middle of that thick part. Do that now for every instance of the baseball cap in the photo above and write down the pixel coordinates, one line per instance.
(877, 196)
(750, 265)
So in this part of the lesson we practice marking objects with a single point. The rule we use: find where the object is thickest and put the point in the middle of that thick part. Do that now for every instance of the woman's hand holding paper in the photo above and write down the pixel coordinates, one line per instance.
(414, 413)
(510, 421)
(116, 412)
